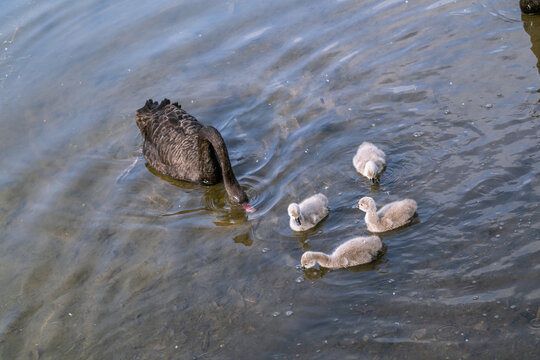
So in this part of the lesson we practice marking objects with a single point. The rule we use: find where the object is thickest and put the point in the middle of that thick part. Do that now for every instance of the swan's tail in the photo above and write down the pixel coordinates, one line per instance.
(144, 115)
(151, 106)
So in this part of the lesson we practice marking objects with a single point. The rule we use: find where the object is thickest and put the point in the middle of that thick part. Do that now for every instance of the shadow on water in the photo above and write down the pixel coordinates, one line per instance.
(415, 220)
(217, 203)
(215, 198)
(244, 238)
(303, 236)
(531, 24)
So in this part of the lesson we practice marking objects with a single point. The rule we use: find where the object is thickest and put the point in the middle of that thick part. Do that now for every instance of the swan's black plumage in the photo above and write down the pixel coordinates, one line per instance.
(180, 147)
(530, 6)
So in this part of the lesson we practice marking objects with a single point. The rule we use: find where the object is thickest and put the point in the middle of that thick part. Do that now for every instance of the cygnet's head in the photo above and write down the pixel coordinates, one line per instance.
(294, 212)
(371, 170)
(366, 203)
(307, 260)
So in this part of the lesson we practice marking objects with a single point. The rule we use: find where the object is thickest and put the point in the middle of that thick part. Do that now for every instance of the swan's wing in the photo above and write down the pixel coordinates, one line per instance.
(315, 209)
(360, 159)
(380, 154)
(386, 215)
(384, 210)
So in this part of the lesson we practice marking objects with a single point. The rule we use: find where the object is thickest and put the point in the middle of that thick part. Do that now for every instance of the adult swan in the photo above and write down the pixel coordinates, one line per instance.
(180, 147)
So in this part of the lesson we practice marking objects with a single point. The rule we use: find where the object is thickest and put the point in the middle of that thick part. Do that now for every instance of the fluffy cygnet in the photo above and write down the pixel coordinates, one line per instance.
(308, 213)
(390, 216)
(369, 160)
(360, 250)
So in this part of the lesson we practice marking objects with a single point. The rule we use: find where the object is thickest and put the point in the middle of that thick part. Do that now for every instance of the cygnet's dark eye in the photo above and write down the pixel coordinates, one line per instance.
(298, 222)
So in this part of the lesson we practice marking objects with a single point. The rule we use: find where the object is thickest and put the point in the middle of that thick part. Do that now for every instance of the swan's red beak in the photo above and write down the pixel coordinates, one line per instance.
(248, 208)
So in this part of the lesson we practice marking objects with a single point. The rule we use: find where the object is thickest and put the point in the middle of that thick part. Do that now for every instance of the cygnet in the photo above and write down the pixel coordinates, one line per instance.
(369, 160)
(390, 216)
(357, 251)
(308, 213)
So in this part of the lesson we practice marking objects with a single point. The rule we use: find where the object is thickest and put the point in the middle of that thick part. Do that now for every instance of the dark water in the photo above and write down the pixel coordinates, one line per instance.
(93, 269)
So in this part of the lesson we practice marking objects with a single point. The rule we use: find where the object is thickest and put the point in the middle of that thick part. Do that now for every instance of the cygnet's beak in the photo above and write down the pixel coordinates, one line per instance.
(248, 208)
(298, 221)
(373, 180)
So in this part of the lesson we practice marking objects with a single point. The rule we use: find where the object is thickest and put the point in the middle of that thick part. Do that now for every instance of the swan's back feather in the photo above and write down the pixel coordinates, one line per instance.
(357, 251)
(171, 143)
(399, 211)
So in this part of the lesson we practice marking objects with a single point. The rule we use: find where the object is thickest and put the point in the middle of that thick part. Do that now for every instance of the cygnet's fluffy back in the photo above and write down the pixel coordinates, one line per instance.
(360, 250)
(369, 160)
(357, 251)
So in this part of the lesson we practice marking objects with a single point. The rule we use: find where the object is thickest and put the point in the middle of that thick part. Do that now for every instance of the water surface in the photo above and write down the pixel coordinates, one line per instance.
(145, 268)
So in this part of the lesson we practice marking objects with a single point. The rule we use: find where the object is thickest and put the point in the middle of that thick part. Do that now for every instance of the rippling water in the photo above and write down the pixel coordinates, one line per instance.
(144, 268)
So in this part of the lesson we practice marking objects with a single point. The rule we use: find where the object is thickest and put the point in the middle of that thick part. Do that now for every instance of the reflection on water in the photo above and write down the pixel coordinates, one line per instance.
(531, 24)
(101, 256)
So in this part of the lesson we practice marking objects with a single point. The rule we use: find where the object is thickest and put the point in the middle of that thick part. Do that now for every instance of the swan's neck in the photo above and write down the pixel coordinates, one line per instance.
(211, 135)
(301, 218)
(323, 259)
(371, 215)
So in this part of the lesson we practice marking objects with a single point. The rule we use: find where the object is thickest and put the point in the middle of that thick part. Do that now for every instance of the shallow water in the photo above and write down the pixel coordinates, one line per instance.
(145, 268)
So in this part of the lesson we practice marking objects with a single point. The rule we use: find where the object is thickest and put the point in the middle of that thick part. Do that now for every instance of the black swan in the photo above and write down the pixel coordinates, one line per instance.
(180, 147)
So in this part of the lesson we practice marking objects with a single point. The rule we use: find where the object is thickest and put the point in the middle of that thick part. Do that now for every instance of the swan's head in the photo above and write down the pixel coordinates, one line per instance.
(366, 203)
(239, 196)
(371, 169)
(294, 212)
(308, 260)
